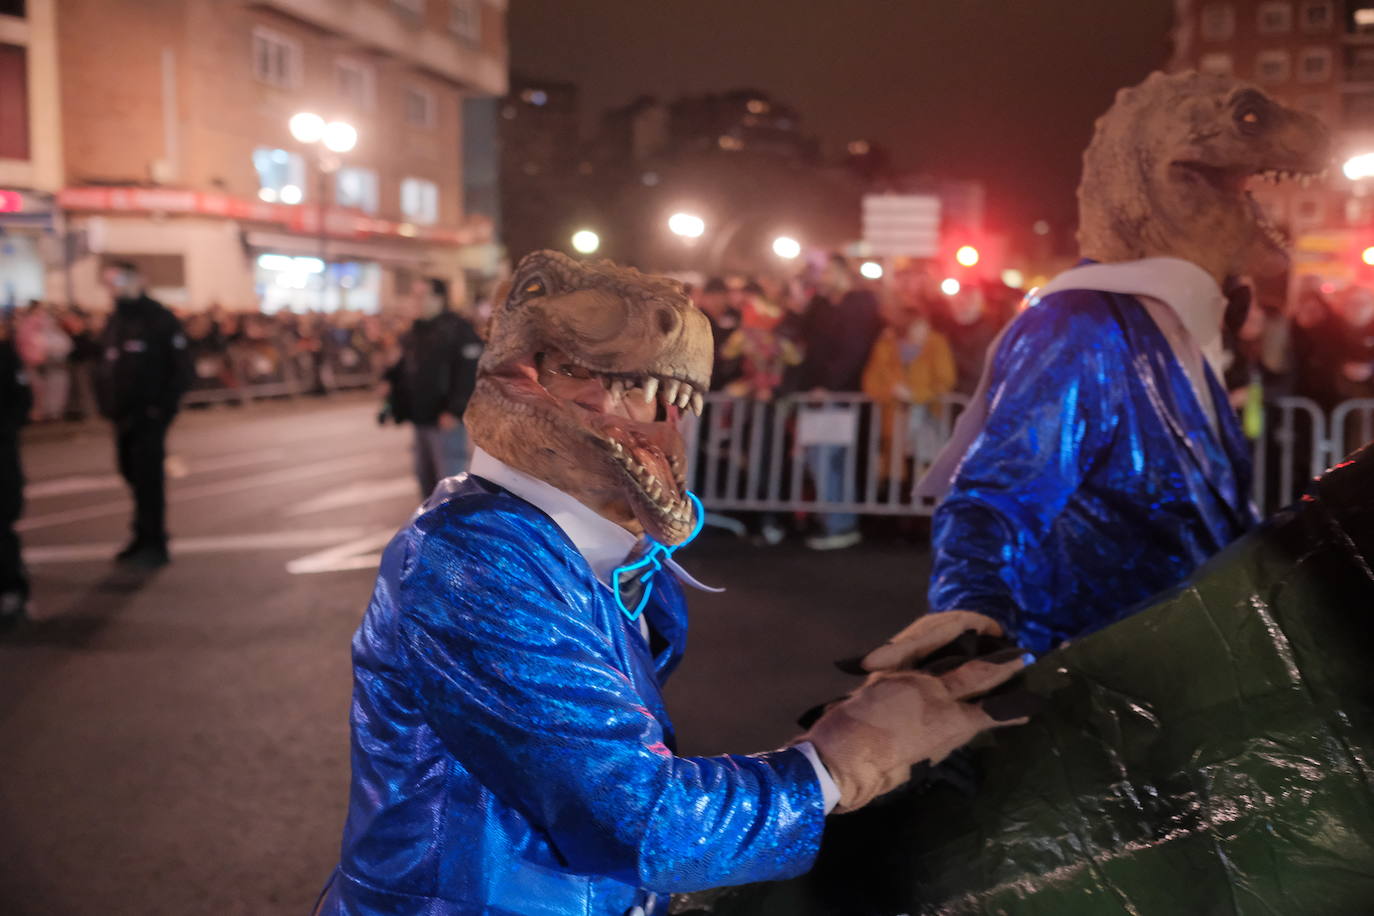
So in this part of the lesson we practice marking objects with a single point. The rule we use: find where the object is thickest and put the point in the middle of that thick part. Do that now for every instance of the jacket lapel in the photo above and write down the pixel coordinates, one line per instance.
(1178, 406)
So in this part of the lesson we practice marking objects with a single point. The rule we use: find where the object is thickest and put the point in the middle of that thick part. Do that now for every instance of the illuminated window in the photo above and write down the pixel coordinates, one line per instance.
(465, 20)
(1218, 21)
(420, 107)
(420, 201)
(1275, 18)
(1364, 19)
(276, 59)
(357, 188)
(1272, 66)
(1317, 16)
(1314, 65)
(1218, 63)
(356, 83)
(281, 175)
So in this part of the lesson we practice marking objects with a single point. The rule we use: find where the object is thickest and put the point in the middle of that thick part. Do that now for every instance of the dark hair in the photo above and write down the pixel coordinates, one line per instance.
(716, 285)
(753, 288)
(128, 267)
(439, 287)
(840, 261)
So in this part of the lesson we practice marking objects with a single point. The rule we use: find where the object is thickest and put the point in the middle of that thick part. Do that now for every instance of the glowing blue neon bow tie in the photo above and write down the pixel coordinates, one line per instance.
(651, 562)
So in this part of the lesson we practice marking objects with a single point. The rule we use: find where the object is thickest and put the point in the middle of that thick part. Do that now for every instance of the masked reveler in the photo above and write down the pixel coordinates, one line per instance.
(1099, 462)
(511, 750)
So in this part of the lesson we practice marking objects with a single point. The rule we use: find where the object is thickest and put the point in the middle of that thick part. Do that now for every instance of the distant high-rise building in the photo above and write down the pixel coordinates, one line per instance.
(1314, 55)
(157, 131)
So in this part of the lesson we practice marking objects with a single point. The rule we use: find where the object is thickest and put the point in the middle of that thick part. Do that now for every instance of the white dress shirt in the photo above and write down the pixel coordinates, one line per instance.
(605, 546)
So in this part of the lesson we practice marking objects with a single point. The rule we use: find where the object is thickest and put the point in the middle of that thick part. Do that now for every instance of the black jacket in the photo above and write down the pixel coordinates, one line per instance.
(838, 340)
(16, 397)
(146, 365)
(437, 371)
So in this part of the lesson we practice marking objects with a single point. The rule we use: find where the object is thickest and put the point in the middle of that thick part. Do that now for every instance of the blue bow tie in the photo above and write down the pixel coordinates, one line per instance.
(643, 569)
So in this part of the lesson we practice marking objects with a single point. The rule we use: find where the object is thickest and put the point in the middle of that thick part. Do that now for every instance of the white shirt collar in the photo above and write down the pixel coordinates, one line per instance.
(1189, 290)
(602, 542)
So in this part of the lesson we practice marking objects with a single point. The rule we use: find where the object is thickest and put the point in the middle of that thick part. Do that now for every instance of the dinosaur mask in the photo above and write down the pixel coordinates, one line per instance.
(1169, 169)
(588, 372)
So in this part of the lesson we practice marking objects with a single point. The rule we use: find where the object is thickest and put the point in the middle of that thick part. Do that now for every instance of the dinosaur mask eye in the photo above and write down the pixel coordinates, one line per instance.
(1251, 112)
(533, 287)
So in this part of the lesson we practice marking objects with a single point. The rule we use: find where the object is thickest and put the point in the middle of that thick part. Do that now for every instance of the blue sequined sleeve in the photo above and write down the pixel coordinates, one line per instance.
(1052, 407)
(524, 690)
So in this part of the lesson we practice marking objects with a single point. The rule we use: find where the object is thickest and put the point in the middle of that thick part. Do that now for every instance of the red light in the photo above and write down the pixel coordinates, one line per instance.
(11, 202)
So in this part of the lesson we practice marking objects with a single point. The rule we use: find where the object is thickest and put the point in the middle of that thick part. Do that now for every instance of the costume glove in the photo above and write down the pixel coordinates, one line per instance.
(870, 741)
(929, 635)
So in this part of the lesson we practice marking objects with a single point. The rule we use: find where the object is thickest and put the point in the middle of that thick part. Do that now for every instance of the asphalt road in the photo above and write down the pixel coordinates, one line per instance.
(178, 743)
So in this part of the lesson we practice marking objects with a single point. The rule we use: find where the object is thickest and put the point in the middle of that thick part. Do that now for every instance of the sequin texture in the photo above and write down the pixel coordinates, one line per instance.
(511, 750)
(1097, 480)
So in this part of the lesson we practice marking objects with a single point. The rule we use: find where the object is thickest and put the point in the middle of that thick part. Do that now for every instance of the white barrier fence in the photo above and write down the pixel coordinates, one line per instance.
(846, 453)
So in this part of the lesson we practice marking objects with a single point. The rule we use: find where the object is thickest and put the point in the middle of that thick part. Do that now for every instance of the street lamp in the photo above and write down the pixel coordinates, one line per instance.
(585, 241)
(686, 225)
(325, 137)
(786, 247)
(1357, 167)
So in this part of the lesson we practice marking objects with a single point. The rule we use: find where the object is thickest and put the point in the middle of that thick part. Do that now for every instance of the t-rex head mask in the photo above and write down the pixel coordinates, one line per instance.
(1167, 171)
(588, 370)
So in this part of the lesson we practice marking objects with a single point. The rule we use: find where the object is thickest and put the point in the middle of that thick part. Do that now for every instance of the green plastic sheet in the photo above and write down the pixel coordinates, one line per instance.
(1212, 754)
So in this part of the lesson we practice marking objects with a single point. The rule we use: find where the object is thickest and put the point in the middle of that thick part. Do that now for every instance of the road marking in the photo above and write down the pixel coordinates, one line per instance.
(352, 555)
(224, 543)
(220, 488)
(178, 467)
(356, 494)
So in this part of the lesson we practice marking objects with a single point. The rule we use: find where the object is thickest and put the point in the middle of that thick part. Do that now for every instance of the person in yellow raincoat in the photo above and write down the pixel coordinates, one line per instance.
(910, 368)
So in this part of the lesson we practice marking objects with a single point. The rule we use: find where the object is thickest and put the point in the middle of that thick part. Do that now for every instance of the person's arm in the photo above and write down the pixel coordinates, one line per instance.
(181, 372)
(527, 694)
(882, 371)
(463, 368)
(1052, 408)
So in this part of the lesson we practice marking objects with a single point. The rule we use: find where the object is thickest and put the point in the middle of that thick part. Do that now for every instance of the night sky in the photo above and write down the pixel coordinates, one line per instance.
(1004, 91)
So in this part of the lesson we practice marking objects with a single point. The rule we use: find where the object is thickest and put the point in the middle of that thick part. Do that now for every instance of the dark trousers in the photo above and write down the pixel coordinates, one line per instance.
(12, 578)
(141, 444)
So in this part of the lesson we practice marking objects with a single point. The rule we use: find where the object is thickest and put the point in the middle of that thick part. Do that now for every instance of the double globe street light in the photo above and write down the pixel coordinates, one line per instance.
(328, 139)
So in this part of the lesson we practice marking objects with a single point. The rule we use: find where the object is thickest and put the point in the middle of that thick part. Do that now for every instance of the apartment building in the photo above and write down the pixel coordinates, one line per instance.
(1315, 55)
(159, 131)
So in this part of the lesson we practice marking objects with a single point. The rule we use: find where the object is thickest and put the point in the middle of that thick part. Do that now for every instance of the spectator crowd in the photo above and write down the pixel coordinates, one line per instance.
(231, 352)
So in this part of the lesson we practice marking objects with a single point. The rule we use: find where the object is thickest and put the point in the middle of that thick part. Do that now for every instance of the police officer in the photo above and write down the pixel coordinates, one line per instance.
(16, 400)
(431, 383)
(145, 370)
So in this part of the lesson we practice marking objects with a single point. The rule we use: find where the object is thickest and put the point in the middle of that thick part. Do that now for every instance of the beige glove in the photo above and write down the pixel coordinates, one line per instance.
(925, 635)
(870, 741)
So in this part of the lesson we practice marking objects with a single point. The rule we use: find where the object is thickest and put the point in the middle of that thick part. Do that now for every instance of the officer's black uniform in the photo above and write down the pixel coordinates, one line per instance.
(16, 399)
(145, 370)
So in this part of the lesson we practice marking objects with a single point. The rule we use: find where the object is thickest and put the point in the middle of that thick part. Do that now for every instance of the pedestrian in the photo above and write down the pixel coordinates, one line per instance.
(145, 370)
(16, 399)
(841, 323)
(910, 369)
(431, 383)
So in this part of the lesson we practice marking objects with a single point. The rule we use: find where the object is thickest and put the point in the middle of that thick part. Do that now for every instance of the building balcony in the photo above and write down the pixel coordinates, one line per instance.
(384, 29)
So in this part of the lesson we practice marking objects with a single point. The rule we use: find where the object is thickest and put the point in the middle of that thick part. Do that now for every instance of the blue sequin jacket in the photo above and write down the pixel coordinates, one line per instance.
(511, 750)
(1097, 480)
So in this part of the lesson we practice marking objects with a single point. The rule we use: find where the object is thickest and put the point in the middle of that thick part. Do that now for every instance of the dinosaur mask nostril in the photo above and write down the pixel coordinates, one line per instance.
(667, 320)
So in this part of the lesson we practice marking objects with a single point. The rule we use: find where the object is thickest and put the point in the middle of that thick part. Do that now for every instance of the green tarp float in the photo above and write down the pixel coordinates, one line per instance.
(1213, 754)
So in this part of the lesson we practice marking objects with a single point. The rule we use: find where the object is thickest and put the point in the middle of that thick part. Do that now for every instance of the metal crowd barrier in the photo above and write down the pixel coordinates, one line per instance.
(846, 453)
(268, 369)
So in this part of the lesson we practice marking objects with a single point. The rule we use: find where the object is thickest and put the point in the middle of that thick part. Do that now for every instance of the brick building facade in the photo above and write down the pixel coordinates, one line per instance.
(170, 145)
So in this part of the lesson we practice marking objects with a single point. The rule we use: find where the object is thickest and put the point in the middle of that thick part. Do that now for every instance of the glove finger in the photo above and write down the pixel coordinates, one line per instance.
(1013, 707)
(926, 635)
(978, 677)
(946, 663)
